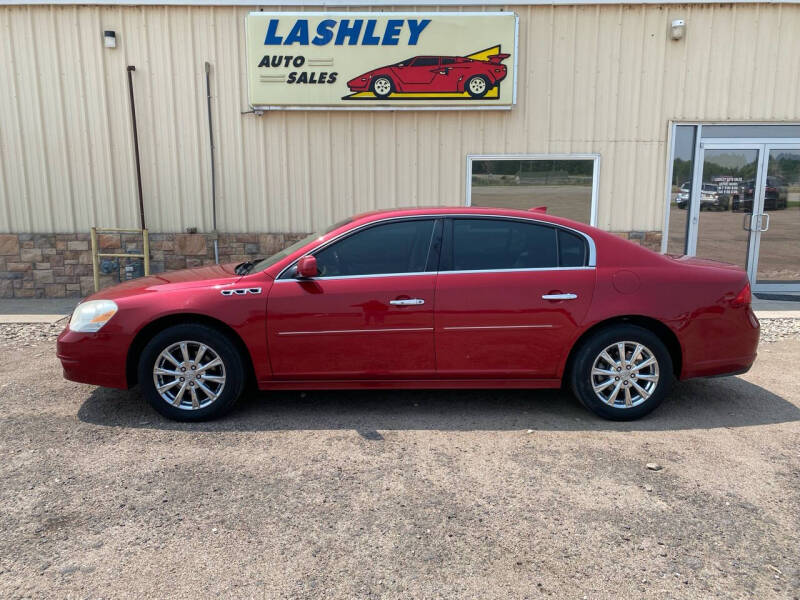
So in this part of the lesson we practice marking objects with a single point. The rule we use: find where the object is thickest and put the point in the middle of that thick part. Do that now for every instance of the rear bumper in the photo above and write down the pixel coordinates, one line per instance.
(731, 340)
(723, 367)
(93, 358)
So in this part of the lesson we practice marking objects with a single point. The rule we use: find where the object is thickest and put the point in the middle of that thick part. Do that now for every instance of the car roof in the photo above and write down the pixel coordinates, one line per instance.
(538, 214)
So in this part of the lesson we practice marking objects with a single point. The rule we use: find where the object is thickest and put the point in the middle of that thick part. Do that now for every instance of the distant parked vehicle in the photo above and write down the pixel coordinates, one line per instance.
(710, 197)
(776, 195)
(682, 199)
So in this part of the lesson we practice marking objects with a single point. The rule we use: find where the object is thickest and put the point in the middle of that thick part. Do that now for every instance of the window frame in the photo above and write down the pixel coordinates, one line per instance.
(594, 157)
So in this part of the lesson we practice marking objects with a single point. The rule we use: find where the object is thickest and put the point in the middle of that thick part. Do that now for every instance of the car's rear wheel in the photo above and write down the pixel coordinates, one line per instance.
(477, 86)
(622, 372)
(382, 87)
(191, 372)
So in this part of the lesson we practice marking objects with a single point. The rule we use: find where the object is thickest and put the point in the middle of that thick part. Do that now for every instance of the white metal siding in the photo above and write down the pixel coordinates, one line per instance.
(592, 78)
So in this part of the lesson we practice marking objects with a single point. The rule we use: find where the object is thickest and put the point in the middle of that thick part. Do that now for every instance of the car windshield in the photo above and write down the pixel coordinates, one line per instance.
(265, 263)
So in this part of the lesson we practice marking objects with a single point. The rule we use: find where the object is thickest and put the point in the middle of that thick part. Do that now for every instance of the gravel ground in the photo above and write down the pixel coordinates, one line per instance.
(485, 494)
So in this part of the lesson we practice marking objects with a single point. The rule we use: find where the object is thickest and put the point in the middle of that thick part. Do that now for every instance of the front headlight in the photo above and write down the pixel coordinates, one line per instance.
(92, 315)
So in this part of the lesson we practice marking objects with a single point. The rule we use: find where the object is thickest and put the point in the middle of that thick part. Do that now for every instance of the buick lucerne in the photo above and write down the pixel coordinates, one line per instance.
(422, 298)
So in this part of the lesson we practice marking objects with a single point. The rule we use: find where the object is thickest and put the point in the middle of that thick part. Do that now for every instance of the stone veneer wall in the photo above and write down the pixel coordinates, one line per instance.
(60, 265)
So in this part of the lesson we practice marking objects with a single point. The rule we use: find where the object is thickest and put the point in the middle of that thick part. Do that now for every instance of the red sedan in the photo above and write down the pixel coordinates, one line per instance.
(433, 74)
(422, 298)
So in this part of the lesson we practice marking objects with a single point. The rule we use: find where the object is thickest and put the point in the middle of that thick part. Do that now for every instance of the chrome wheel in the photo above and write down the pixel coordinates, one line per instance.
(189, 375)
(625, 374)
(382, 86)
(477, 85)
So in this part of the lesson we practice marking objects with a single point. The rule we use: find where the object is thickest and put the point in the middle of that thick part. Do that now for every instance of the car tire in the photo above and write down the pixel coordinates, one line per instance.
(477, 86)
(594, 379)
(382, 87)
(216, 385)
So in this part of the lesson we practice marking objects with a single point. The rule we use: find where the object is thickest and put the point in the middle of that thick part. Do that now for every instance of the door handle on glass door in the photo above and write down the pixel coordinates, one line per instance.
(407, 302)
(559, 296)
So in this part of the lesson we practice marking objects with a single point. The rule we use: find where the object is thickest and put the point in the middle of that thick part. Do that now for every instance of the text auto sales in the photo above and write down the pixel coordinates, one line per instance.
(355, 32)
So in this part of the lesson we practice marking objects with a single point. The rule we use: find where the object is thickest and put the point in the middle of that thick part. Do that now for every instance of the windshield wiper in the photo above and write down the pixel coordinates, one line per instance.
(245, 267)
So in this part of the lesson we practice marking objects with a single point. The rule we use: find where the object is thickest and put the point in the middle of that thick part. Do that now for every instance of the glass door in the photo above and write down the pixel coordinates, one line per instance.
(778, 246)
(745, 209)
(724, 192)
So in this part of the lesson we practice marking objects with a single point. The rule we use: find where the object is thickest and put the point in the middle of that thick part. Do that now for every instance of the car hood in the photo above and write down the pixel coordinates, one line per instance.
(172, 280)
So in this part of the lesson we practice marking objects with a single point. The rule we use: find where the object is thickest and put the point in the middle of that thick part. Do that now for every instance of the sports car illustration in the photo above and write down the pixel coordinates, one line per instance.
(433, 74)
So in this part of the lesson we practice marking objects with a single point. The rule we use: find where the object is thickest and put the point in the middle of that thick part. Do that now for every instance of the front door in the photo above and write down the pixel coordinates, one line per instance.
(420, 74)
(745, 209)
(510, 298)
(368, 315)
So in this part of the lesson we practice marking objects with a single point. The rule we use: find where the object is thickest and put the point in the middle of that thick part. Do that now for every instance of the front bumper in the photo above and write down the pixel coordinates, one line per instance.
(94, 358)
(356, 85)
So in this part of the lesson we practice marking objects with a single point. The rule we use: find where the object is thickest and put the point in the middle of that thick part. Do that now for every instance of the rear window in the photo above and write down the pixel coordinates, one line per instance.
(489, 244)
(492, 244)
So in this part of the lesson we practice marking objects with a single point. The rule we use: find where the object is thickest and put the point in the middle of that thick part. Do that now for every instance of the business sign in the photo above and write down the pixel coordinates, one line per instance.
(381, 60)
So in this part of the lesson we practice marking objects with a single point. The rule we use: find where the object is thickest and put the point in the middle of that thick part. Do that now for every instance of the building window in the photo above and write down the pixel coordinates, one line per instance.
(680, 185)
(565, 183)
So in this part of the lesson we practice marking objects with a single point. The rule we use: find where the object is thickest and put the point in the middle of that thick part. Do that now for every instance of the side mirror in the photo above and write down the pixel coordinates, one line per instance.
(307, 267)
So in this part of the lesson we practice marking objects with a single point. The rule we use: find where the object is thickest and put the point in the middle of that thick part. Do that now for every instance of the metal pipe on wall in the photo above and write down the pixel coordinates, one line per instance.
(130, 70)
(213, 170)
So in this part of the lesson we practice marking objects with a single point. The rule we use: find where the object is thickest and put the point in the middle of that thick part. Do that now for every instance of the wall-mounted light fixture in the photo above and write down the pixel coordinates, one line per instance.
(110, 39)
(677, 29)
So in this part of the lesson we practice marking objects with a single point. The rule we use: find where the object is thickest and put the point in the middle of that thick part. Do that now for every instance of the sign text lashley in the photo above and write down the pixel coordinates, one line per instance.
(381, 60)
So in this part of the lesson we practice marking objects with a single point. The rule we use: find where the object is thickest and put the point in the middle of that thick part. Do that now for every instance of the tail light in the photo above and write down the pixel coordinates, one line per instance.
(743, 297)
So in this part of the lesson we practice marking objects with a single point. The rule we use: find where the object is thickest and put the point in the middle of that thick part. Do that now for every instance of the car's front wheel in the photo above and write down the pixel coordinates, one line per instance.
(382, 87)
(191, 372)
(622, 372)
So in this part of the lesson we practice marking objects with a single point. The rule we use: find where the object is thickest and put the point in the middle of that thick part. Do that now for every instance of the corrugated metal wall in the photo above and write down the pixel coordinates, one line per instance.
(600, 79)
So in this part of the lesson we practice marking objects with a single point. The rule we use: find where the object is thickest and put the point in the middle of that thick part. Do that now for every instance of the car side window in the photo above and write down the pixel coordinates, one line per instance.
(572, 250)
(487, 244)
(426, 61)
(448, 61)
(398, 247)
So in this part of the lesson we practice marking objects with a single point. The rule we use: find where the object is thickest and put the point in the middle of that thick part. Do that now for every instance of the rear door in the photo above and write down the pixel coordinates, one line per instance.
(510, 297)
(368, 315)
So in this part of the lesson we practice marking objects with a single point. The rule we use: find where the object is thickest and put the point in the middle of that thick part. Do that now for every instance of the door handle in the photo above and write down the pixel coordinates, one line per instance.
(747, 223)
(559, 296)
(762, 227)
(407, 302)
